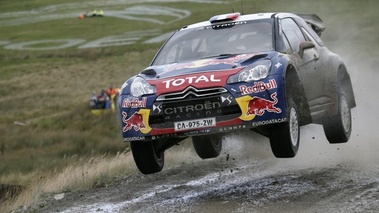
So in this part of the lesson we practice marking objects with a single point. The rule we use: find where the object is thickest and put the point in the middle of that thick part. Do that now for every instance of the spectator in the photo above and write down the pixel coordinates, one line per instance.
(112, 93)
(93, 102)
(104, 100)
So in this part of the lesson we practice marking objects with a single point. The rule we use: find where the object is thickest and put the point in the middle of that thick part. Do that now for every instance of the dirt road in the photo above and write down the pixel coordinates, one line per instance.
(247, 177)
(318, 180)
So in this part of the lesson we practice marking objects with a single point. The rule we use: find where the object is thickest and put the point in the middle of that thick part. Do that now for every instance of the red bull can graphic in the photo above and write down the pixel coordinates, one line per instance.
(138, 121)
(252, 106)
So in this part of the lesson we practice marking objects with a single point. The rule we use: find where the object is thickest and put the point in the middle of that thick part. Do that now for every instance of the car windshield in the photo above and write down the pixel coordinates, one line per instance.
(217, 40)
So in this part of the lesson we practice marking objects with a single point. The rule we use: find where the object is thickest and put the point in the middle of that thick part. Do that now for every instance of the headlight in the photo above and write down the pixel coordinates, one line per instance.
(254, 74)
(141, 87)
(257, 71)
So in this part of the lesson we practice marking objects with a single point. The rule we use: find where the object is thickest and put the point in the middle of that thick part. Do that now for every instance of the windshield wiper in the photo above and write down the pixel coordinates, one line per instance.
(220, 55)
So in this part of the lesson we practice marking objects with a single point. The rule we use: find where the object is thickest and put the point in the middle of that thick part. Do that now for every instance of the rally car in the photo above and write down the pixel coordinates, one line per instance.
(267, 72)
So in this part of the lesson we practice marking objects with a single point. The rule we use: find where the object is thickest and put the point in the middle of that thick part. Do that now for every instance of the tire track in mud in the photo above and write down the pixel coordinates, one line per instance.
(70, 10)
(146, 13)
(220, 186)
(322, 178)
(251, 180)
(249, 189)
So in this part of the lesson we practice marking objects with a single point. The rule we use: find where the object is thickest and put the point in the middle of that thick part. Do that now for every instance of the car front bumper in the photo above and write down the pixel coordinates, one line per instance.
(203, 111)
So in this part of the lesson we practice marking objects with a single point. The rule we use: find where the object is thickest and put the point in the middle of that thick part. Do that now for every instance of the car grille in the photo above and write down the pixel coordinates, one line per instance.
(191, 92)
(191, 104)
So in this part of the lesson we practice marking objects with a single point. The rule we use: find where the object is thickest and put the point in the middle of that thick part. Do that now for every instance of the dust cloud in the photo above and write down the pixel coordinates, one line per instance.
(352, 34)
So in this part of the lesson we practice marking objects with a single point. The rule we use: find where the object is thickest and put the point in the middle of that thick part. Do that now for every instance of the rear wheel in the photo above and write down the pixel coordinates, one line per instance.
(337, 128)
(285, 137)
(146, 157)
(207, 146)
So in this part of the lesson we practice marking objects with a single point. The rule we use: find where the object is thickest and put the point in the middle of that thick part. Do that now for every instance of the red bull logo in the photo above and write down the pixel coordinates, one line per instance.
(138, 121)
(252, 106)
(258, 87)
(230, 61)
(134, 103)
(207, 62)
(258, 106)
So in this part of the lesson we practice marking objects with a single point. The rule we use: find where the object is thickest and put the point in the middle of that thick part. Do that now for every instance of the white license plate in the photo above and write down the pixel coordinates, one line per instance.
(194, 124)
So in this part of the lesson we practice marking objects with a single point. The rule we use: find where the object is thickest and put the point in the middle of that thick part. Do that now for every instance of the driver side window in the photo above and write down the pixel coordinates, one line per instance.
(293, 33)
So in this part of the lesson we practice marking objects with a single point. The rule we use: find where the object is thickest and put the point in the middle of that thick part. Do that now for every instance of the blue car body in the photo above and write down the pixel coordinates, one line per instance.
(270, 91)
(267, 72)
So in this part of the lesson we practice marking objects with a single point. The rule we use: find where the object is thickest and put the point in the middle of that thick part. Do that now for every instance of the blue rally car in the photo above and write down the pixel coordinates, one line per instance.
(268, 72)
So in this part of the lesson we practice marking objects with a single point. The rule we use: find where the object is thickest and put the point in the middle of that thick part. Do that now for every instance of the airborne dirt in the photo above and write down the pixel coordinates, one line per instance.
(247, 177)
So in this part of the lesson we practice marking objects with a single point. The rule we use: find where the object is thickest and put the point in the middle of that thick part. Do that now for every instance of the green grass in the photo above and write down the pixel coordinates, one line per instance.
(48, 90)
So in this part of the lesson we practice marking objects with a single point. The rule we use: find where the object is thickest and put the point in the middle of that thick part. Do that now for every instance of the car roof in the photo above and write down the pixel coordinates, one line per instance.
(236, 17)
(248, 17)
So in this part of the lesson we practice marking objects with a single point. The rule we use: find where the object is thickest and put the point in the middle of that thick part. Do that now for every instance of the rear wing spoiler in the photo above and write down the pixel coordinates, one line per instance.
(314, 21)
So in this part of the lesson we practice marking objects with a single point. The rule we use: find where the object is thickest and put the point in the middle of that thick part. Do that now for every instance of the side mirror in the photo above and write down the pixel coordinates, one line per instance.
(303, 46)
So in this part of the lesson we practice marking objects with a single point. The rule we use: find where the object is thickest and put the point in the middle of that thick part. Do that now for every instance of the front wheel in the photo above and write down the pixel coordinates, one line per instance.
(337, 128)
(146, 157)
(207, 146)
(285, 137)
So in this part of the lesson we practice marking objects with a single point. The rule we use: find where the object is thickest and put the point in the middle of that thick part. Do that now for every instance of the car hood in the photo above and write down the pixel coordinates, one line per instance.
(203, 73)
(219, 63)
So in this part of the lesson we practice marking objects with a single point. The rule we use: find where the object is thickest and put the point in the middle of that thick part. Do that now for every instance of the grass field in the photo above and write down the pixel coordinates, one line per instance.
(49, 90)
(46, 127)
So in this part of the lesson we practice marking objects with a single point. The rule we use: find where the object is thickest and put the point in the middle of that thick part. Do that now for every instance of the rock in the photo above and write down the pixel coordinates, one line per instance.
(59, 196)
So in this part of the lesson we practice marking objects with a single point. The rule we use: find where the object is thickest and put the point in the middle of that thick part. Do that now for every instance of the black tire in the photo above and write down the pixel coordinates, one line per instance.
(285, 137)
(207, 146)
(147, 159)
(337, 128)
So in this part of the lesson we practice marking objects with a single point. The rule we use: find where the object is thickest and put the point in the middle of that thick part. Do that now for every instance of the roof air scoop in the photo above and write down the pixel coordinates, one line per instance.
(149, 72)
(225, 17)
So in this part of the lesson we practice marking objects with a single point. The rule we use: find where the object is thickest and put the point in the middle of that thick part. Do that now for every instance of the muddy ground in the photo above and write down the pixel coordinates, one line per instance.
(247, 177)
(255, 185)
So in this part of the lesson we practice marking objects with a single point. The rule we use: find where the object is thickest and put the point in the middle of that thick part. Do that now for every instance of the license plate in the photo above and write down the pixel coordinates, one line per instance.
(195, 124)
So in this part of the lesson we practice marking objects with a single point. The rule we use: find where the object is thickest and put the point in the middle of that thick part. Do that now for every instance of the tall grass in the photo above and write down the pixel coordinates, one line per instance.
(87, 173)
(82, 174)
(49, 140)
(45, 123)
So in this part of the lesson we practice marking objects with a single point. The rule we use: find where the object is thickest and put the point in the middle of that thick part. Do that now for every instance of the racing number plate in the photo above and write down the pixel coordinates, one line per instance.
(195, 124)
